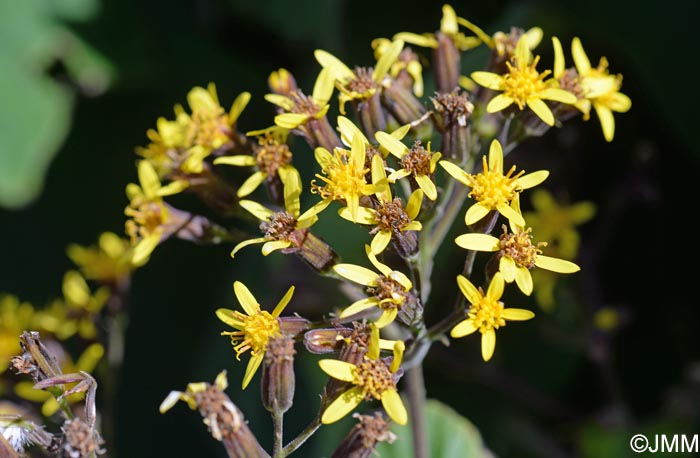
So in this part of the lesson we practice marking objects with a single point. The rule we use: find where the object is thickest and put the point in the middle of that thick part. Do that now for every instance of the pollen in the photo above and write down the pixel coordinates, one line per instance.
(281, 226)
(491, 188)
(256, 331)
(487, 313)
(374, 377)
(271, 155)
(523, 82)
(417, 160)
(391, 216)
(342, 179)
(519, 247)
(146, 217)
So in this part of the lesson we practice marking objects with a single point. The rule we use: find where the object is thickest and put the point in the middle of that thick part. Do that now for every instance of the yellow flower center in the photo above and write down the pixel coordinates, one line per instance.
(391, 216)
(257, 330)
(391, 294)
(281, 226)
(146, 217)
(209, 128)
(519, 247)
(487, 314)
(493, 189)
(417, 160)
(342, 180)
(523, 82)
(271, 155)
(374, 377)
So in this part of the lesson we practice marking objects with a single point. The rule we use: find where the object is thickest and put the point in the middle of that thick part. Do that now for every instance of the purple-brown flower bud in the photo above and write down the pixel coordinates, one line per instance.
(364, 437)
(278, 381)
(405, 107)
(282, 82)
(328, 340)
(447, 63)
(453, 110)
(371, 115)
(317, 253)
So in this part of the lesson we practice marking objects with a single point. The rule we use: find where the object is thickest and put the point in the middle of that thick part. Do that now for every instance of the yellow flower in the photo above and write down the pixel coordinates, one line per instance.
(362, 83)
(287, 228)
(87, 362)
(271, 153)
(523, 85)
(516, 252)
(344, 175)
(15, 317)
(108, 262)
(299, 108)
(388, 215)
(600, 88)
(449, 25)
(486, 313)
(390, 289)
(348, 130)
(77, 312)
(407, 61)
(149, 214)
(254, 329)
(493, 190)
(416, 161)
(373, 378)
(189, 396)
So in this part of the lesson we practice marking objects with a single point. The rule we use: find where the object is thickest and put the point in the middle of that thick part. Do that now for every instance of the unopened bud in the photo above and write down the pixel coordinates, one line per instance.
(453, 110)
(282, 82)
(278, 375)
(364, 437)
(447, 63)
(371, 115)
(317, 253)
(322, 341)
(405, 107)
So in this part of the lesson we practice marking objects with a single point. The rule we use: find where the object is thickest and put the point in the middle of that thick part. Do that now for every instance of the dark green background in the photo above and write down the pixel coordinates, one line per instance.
(543, 395)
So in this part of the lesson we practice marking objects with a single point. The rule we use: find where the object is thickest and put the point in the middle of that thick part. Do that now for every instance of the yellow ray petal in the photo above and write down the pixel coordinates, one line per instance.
(425, 40)
(559, 62)
(279, 308)
(414, 204)
(412, 226)
(619, 102)
(291, 120)
(468, 289)
(380, 241)
(488, 344)
(292, 189)
(507, 267)
(339, 70)
(387, 318)
(496, 286)
(395, 146)
(513, 215)
(250, 370)
(556, 265)
(379, 179)
(463, 328)
(426, 184)
(558, 95)
(488, 80)
(359, 306)
(245, 243)
(478, 242)
(172, 188)
(323, 88)
(315, 209)
(241, 160)
(259, 211)
(532, 179)
(607, 121)
(343, 405)
(148, 178)
(275, 245)
(246, 298)
(145, 247)
(498, 103)
(394, 406)
(475, 213)
(523, 279)
(583, 65)
(390, 55)
(517, 314)
(541, 110)
(348, 130)
(280, 100)
(337, 369)
(401, 278)
(251, 184)
(238, 106)
(456, 172)
(229, 317)
(397, 175)
(357, 274)
(169, 401)
(364, 215)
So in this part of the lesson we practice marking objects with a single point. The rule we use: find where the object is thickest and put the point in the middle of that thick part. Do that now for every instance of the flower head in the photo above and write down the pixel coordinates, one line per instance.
(493, 190)
(390, 289)
(363, 82)
(107, 262)
(487, 313)
(449, 26)
(516, 252)
(254, 328)
(523, 85)
(417, 162)
(15, 317)
(298, 108)
(373, 378)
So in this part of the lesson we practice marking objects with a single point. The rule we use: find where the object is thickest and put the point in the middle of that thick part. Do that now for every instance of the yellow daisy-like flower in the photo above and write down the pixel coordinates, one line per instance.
(15, 317)
(600, 89)
(344, 175)
(390, 289)
(254, 328)
(373, 378)
(348, 130)
(271, 153)
(449, 25)
(148, 213)
(108, 262)
(189, 396)
(493, 190)
(283, 229)
(516, 252)
(407, 62)
(417, 162)
(87, 362)
(299, 108)
(523, 85)
(486, 313)
(362, 83)
(388, 215)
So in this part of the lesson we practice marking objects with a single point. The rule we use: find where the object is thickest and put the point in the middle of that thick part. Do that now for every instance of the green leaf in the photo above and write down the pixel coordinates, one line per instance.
(450, 436)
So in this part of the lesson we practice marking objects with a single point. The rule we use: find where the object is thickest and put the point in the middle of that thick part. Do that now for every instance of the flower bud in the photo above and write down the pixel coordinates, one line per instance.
(317, 253)
(447, 64)
(322, 341)
(453, 110)
(371, 115)
(278, 381)
(364, 436)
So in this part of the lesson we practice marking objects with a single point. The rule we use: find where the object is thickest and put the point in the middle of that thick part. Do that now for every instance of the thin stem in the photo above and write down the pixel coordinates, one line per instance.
(301, 438)
(416, 401)
(278, 423)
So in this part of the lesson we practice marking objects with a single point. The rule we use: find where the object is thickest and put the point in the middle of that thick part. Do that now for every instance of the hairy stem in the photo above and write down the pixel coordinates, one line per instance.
(416, 400)
(278, 422)
(301, 438)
